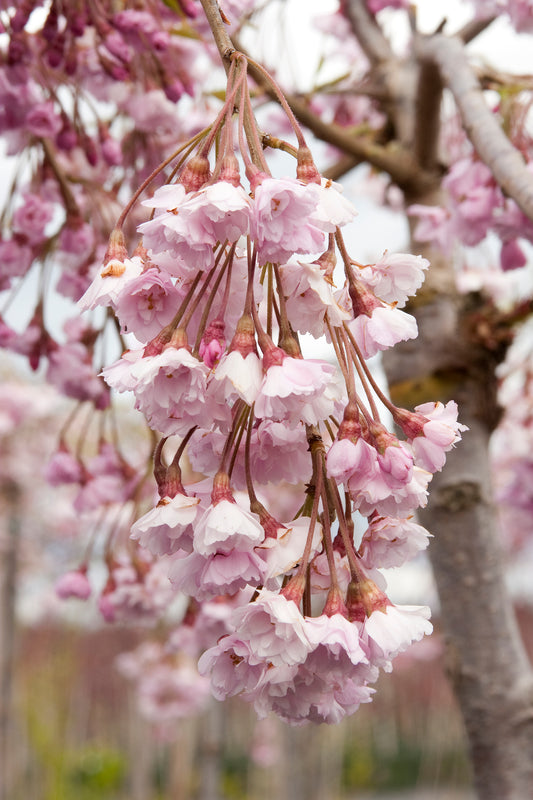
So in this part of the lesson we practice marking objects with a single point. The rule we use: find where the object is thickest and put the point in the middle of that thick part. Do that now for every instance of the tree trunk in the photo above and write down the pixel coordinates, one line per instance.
(486, 660)
(9, 545)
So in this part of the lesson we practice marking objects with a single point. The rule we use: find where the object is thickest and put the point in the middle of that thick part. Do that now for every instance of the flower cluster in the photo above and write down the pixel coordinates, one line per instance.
(229, 272)
(213, 280)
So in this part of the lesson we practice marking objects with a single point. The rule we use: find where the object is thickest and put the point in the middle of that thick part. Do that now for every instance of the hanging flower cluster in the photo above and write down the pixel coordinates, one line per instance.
(233, 265)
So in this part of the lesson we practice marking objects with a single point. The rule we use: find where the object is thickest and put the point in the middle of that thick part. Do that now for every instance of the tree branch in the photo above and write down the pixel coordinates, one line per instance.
(367, 32)
(427, 120)
(473, 29)
(220, 35)
(482, 127)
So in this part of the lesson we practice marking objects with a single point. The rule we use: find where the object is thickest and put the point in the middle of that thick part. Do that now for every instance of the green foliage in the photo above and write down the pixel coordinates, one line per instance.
(95, 772)
(408, 765)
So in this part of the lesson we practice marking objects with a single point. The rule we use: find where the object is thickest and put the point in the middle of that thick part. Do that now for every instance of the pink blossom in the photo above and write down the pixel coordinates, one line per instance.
(133, 596)
(433, 430)
(395, 460)
(116, 45)
(15, 260)
(108, 480)
(401, 502)
(112, 151)
(347, 459)
(169, 388)
(213, 342)
(73, 584)
(169, 692)
(205, 577)
(371, 475)
(283, 552)
(512, 256)
(277, 453)
(378, 5)
(521, 14)
(390, 542)
(232, 666)
(133, 21)
(395, 277)
(72, 285)
(192, 224)
(281, 223)
(320, 574)
(333, 210)
(43, 121)
(236, 376)
(280, 453)
(217, 212)
(519, 11)
(168, 527)
(225, 526)
(69, 370)
(169, 687)
(63, 467)
(274, 629)
(31, 218)
(78, 240)
(298, 390)
(329, 684)
(309, 296)
(146, 303)
(433, 225)
(390, 630)
(384, 328)
(110, 280)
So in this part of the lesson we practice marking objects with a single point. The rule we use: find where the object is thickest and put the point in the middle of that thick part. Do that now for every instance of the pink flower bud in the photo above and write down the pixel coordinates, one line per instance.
(74, 584)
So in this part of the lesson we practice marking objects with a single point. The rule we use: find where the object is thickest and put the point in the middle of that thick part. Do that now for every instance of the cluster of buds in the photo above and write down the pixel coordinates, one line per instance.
(230, 271)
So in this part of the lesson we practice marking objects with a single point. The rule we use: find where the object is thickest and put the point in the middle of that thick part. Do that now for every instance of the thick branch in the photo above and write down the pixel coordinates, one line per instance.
(367, 32)
(427, 125)
(482, 127)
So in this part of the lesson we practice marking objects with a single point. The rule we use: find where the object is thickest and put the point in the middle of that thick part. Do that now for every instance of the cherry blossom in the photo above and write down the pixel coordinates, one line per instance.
(169, 388)
(166, 218)
(73, 584)
(390, 542)
(168, 527)
(278, 225)
(295, 390)
(395, 277)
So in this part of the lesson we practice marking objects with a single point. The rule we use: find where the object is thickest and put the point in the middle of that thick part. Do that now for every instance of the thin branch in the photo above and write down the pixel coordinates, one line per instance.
(367, 32)
(473, 29)
(482, 127)
(220, 35)
(341, 167)
(71, 205)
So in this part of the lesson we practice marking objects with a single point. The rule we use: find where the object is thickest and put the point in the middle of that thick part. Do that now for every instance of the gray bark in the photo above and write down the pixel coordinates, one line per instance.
(486, 660)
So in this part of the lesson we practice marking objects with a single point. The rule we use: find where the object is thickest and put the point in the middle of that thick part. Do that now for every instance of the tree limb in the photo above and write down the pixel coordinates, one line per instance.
(220, 35)
(482, 127)
(367, 32)
(427, 117)
(473, 29)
